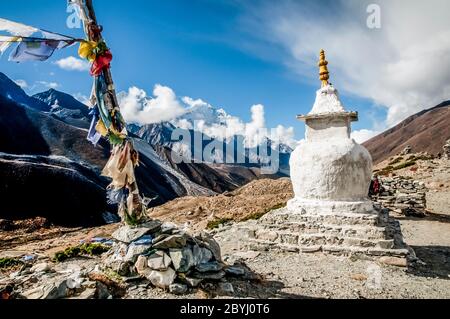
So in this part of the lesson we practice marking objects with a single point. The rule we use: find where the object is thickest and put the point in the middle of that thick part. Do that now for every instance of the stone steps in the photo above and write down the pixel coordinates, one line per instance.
(368, 233)
(283, 216)
(314, 239)
(331, 249)
(353, 231)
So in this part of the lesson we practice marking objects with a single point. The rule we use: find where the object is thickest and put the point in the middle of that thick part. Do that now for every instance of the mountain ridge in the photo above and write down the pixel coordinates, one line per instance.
(425, 131)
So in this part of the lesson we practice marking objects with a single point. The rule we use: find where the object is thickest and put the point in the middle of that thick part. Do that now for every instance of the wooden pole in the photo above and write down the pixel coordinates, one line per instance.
(107, 71)
(112, 101)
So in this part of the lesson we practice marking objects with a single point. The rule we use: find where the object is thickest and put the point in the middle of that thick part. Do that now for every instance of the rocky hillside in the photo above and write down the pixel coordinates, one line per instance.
(44, 139)
(248, 202)
(10, 90)
(37, 149)
(65, 107)
(426, 131)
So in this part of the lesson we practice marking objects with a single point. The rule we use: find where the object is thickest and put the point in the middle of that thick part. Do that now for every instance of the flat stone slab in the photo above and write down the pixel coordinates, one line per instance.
(128, 234)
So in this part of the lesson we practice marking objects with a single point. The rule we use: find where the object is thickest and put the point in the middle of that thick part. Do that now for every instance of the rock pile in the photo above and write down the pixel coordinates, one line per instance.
(402, 195)
(151, 254)
(446, 149)
(407, 150)
(168, 256)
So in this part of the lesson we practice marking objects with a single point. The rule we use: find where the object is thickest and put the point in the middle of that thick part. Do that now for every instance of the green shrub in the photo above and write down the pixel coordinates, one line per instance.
(216, 223)
(9, 262)
(396, 160)
(258, 215)
(404, 165)
(84, 249)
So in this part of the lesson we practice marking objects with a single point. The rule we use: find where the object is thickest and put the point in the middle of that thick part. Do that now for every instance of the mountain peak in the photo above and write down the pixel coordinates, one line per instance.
(10, 90)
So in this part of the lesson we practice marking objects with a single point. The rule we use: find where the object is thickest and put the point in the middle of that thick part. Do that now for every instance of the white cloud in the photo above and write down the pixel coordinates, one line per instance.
(73, 64)
(137, 108)
(403, 66)
(48, 85)
(82, 98)
(22, 83)
(254, 132)
(361, 136)
(189, 113)
(193, 103)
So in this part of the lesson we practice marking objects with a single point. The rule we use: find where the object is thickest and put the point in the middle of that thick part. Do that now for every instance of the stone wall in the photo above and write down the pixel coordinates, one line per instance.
(400, 194)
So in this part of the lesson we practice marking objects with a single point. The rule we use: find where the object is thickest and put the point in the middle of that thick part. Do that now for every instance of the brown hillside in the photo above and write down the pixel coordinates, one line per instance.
(425, 131)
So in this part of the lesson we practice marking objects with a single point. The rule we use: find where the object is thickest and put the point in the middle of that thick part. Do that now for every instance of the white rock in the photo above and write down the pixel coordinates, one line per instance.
(41, 267)
(162, 279)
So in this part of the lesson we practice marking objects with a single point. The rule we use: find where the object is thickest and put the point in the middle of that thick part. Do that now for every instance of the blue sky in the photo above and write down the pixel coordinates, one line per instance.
(231, 54)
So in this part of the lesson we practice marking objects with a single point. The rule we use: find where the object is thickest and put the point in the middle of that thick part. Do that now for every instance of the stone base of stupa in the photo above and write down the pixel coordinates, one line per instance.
(343, 228)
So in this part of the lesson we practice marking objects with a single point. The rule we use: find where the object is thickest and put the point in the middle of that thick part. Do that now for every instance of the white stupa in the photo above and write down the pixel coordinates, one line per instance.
(330, 173)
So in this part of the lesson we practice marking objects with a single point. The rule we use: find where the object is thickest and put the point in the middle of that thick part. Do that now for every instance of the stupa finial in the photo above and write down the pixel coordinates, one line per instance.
(323, 70)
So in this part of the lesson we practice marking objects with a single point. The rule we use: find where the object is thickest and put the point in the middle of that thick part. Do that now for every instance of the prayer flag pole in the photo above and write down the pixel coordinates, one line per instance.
(131, 209)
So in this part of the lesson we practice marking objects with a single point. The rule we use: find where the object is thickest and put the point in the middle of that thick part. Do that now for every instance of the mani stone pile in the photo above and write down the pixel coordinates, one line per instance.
(402, 195)
(168, 256)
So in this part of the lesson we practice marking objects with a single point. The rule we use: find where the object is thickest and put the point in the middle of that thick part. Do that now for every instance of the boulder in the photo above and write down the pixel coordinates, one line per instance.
(190, 281)
(56, 290)
(235, 271)
(102, 291)
(134, 251)
(182, 259)
(162, 279)
(141, 265)
(172, 241)
(201, 255)
(41, 267)
(213, 266)
(168, 228)
(208, 242)
(159, 261)
(178, 289)
(128, 234)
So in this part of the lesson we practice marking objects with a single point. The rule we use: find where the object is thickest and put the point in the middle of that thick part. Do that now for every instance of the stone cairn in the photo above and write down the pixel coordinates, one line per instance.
(331, 174)
(446, 149)
(168, 256)
(402, 195)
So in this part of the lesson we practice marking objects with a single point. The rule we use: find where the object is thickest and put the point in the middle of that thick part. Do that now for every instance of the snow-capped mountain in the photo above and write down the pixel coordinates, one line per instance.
(35, 129)
(65, 107)
(14, 92)
(216, 122)
(201, 111)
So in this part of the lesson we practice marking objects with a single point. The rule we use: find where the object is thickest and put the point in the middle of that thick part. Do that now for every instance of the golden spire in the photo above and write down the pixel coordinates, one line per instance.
(323, 70)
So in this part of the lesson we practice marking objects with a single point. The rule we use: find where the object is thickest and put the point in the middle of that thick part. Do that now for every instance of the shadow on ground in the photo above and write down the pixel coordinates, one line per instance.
(442, 218)
(254, 286)
(436, 259)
